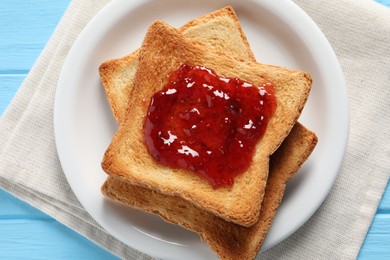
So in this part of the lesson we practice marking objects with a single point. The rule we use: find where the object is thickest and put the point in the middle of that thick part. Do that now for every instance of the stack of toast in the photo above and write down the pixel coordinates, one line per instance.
(232, 220)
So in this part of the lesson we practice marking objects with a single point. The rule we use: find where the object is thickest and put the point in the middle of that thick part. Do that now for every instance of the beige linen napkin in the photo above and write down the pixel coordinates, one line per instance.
(359, 32)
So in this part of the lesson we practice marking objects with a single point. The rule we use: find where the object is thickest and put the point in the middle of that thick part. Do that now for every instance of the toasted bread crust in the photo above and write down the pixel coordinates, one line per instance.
(228, 240)
(117, 79)
(165, 49)
(117, 75)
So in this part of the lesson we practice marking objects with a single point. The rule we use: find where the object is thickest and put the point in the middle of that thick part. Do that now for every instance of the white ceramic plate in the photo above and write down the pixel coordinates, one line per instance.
(279, 33)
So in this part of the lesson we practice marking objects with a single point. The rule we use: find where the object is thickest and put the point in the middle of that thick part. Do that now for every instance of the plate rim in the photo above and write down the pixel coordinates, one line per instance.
(113, 5)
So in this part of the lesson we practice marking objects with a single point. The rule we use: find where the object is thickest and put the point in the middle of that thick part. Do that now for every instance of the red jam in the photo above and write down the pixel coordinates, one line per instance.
(207, 124)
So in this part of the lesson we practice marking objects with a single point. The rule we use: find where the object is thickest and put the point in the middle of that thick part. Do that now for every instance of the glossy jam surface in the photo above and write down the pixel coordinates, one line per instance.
(207, 124)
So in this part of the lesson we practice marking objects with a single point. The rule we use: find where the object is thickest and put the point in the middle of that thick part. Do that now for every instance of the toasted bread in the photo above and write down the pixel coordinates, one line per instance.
(155, 202)
(220, 29)
(226, 239)
(164, 49)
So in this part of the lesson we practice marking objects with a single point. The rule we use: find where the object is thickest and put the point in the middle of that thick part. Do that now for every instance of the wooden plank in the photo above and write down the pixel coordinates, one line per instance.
(27, 26)
(13, 208)
(377, 242)
(37, 239)
(27, 232)
(384, 206)
(384, 2)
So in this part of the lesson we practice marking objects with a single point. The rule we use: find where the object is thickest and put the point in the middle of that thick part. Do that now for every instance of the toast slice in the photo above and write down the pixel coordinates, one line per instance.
(164, 49)
(213, 29)
(220, 29)
(226, 239)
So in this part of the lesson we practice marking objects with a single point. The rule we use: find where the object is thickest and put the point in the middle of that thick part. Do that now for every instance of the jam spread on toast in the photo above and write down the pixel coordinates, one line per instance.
(207, 124)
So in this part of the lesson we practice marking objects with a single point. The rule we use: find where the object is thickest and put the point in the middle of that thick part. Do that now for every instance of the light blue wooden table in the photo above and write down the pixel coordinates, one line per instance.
(27, 233)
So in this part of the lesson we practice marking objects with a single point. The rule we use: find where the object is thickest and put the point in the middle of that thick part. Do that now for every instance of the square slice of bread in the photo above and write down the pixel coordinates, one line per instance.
(212, 29)
(226, 239)
(219, 29)
(164, 49)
